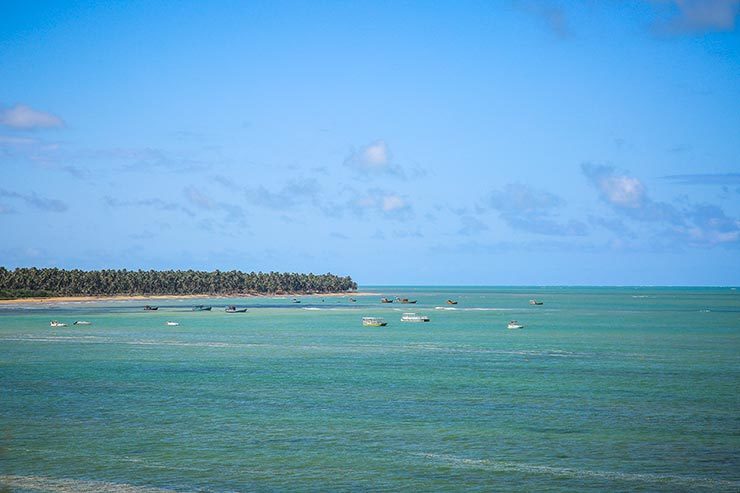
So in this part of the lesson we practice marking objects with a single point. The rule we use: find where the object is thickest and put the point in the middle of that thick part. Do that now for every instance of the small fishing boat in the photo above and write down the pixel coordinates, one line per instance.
(55, 323)
(352, 300)
(386, 300)
(413, 317)
(173, 324)
(514, 325)
(405, 300)
(150, 307)
(535, 302)
(296, 300)
(451, 302)
(82, 322)
(201, 308)
(234, 309)
(374, 322)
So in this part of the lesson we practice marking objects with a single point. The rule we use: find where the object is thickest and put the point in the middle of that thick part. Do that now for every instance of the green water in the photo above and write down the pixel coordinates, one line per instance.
(618, 389)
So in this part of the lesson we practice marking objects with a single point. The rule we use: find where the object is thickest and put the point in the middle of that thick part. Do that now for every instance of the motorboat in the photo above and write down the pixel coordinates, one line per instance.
(451, 302)
(201, 308)
(413, 317)
(535, 302)
(374, 322)
(234, 309)
(55, 323)
(173, 324)
(514, 325)
(82, 322)
(405, 300)
(151, 308)
(296, 300)
(386, 300)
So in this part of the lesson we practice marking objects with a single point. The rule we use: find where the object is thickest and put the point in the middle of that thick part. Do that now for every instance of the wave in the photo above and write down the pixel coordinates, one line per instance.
(506, 466)
(62, 485)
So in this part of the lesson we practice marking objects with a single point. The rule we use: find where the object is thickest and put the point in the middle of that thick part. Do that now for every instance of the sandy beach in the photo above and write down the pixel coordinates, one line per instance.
(78, 299)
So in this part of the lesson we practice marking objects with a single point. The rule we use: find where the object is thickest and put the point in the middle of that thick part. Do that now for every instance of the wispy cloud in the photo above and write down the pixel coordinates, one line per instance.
(200, 200)
(157, 204)
(528, 209)
(697, 224)
(13, 141)
(293, 193)
(709, 225)
(628, 195)
(389, 204)
(551, 15)
(33, 200)
(698, 16)
(24, 117)
(728, 179)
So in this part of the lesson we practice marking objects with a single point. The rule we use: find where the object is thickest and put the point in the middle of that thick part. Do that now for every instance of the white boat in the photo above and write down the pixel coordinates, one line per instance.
(54, 323)
(535, 302)
(514, 325)
(374, 322)
(413, 317)
(173, 323)
(82, 322)
(234, 309)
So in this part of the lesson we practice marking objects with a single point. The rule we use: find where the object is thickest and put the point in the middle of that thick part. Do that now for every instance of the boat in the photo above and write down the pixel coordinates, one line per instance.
(150, 307)
(352, 300)
(374, 322)
(514, 325)
(386, 300)
(535, 302)
(405, 300)
(234, 309)
(201, 308)
(296, 300)
(450, 302)
(172, 324)
(413, 317)
(82, 322)
(55, 323)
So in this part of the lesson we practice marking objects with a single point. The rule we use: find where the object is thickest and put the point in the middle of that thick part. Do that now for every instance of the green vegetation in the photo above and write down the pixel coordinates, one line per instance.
(11, 294)
(20, 283)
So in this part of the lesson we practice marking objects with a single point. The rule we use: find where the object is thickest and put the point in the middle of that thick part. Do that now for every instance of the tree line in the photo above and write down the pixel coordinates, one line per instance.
(24, 282)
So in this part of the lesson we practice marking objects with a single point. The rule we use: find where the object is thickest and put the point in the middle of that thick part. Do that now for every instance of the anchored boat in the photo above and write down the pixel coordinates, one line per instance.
(413, 317)
(234, 309)
(374, 322)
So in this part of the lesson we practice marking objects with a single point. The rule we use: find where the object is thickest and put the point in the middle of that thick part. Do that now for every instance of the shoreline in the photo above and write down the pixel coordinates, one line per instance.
(160, 297)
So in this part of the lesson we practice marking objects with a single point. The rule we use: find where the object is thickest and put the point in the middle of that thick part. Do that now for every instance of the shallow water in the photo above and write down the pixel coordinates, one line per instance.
(619, 389)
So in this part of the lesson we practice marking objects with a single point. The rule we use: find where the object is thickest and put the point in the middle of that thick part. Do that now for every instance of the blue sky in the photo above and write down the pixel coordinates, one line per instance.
(512, 142)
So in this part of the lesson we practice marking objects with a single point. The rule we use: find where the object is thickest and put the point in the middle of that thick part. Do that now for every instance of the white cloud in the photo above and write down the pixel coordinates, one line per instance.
(376, 154)
(623, 191)
(375, 157)
(392, 203)
(24, 117)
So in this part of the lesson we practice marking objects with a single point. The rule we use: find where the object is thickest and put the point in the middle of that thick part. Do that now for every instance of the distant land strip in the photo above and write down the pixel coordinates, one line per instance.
(32, 282)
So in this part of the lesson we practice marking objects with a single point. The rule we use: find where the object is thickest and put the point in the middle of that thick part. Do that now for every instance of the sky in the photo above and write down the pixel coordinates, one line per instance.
(513, 142)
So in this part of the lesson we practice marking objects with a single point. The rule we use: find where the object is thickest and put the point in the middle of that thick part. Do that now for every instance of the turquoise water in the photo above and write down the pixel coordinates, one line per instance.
(618, 389)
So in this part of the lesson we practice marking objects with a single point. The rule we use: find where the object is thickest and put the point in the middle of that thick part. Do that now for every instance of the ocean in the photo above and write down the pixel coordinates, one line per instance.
(604, 389)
